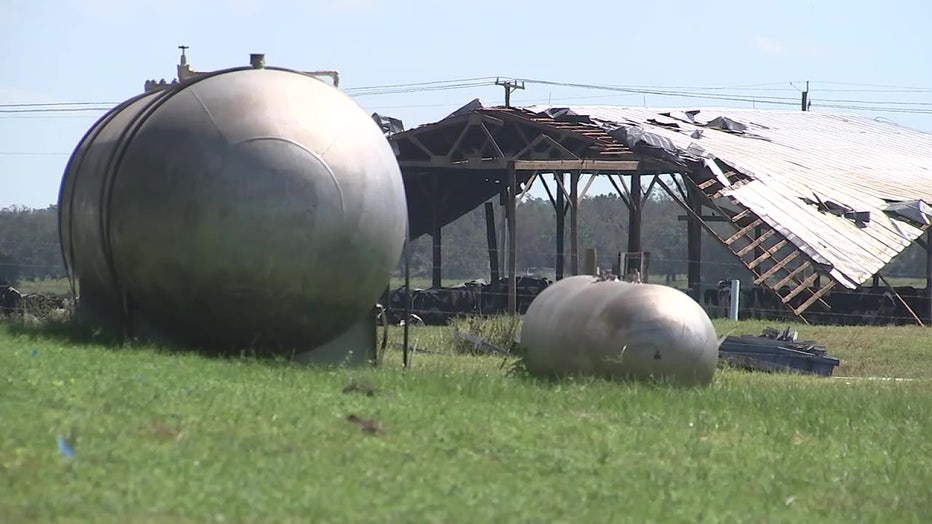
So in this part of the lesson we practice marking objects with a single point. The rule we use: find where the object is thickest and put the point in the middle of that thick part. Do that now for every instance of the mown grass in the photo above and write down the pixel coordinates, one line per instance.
(162, 437)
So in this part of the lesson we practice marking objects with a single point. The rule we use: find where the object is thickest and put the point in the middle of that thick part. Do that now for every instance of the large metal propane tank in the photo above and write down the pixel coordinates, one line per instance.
(249, 208)
(583, 325)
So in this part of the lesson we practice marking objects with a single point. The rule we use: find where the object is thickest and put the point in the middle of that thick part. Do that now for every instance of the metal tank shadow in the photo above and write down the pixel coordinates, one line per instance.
(357, 346)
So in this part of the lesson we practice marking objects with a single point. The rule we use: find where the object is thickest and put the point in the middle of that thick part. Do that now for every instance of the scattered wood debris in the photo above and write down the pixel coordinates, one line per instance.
(367, 425)
(479, 343)
(364, 387)
(777, 351)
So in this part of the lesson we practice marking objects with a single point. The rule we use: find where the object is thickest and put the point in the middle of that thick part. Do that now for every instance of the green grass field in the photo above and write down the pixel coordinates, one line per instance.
(161, 437)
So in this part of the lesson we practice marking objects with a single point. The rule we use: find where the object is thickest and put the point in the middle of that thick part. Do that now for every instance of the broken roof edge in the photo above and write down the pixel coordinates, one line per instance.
(644, 136)
(687, 114)
(895, 230)
(684, 114)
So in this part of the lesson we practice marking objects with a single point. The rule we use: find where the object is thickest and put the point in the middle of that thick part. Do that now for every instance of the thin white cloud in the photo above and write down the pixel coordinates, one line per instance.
(768, 45)
(775, 47)
(121, 8)
(16, 95)
(350, 6)
(246, 7)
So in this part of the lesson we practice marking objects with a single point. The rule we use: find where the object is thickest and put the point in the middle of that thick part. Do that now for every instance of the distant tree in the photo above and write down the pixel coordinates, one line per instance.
(29, 244)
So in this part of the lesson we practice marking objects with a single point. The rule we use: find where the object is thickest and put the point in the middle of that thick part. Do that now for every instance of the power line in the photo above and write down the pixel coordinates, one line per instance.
(54, 110)
(876, 109)
(48, 117)
(888, 102)
(430, 83)
(886, 86)
(19, 110)
(53, 104)
(416, 89)
(32, 153)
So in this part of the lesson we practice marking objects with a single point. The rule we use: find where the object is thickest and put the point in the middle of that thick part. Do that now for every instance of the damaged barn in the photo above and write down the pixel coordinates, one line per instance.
(815, 205)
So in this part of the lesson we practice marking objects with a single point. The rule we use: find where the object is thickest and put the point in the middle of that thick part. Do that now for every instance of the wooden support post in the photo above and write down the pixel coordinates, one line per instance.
(492, 242)
(574, 223)
(436, 280)
(591, 261)
(694, 243)
(503, 241)
(928, 310)
(560, 208)
(634, 215)
(512, 240)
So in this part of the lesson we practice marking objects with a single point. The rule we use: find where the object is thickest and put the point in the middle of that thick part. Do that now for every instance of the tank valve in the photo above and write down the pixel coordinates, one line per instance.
(257, 60)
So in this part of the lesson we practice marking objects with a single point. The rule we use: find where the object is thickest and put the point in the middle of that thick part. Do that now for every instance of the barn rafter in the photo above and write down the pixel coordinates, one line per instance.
(801, 221)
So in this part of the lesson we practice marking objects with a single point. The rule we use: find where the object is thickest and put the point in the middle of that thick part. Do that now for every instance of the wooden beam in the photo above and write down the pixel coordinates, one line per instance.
(707, 218)
(512, 242)
(693, 239)
(551, 144)
(574, 222)
(928, 248)
(527, 188)
(815, 296)
(767, 254)
(622, 190)
(491, 139)
(634, 215)
(559, 207)
(577, 165)
(778, 266)
(549, 166)
(756, 243)
(903, 302)
(492, 241)
(441, 162)
(436, 280)
(587, 186)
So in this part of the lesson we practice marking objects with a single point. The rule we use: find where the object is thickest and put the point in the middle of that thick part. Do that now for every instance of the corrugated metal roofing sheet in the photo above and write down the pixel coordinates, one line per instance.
(790, 156)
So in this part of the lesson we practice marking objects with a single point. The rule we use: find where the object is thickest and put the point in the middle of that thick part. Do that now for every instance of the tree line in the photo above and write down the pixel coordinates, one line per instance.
(29, 243)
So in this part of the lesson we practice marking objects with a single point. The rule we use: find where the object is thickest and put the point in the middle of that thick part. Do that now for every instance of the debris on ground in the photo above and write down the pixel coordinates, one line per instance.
(365, 388)
(777, 351)
(479, 343)
(367, 425)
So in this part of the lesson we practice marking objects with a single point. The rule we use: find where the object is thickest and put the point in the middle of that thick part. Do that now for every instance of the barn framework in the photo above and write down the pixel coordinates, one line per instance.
(805, 219)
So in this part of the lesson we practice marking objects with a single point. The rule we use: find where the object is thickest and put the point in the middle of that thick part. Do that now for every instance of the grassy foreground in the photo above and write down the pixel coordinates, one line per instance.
(161, 437)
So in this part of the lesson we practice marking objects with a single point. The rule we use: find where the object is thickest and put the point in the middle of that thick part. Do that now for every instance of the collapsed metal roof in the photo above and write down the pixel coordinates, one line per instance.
(849, 192)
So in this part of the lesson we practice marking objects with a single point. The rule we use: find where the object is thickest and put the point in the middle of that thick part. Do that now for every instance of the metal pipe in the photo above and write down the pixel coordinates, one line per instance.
(334, 75)
(734, 299)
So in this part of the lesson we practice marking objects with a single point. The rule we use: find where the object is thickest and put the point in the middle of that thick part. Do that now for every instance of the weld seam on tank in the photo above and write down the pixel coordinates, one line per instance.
(318, 156)
(70, 181)
(113, 166)
(209, 115)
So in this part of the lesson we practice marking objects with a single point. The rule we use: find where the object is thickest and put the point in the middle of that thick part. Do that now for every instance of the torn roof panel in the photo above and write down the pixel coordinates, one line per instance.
(802, 165)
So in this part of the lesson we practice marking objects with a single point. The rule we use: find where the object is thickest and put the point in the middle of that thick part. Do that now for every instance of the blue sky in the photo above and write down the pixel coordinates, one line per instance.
(104, 50)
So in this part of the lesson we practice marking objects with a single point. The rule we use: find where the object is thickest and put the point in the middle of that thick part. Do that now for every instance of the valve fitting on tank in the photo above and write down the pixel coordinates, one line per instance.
(257, 60)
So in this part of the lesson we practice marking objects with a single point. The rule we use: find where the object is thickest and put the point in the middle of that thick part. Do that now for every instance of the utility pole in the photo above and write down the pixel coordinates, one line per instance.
(806, 97)
(510, 87)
